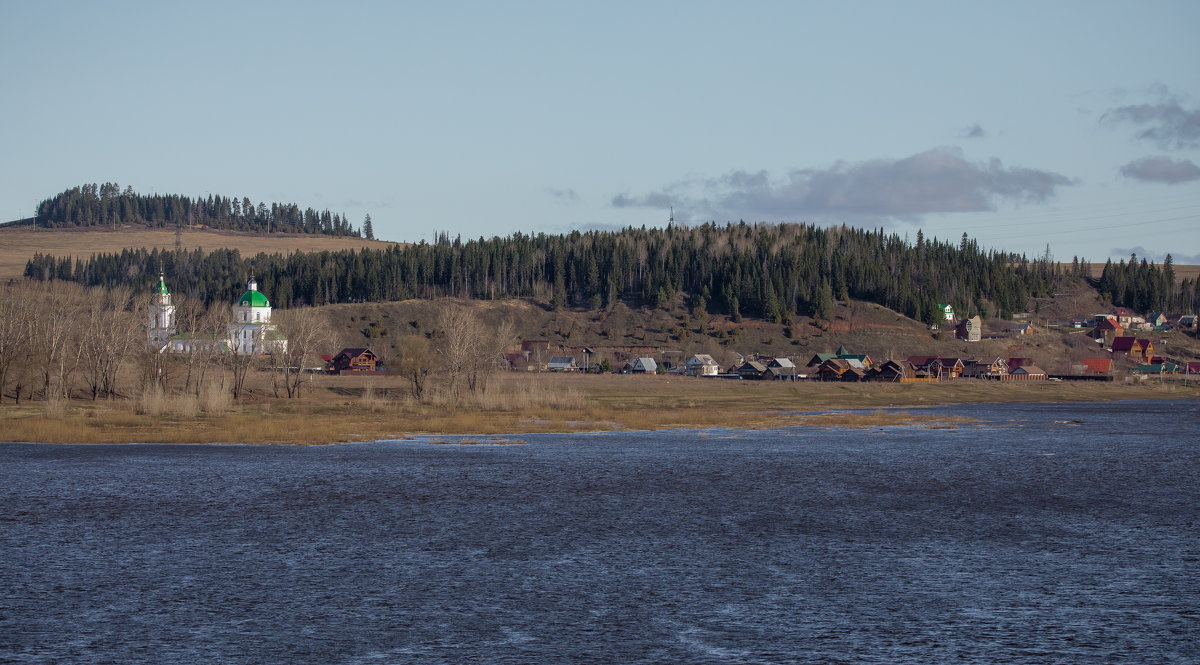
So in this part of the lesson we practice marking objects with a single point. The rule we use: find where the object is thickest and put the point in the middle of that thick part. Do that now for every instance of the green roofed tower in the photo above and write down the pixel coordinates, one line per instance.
(162, 315)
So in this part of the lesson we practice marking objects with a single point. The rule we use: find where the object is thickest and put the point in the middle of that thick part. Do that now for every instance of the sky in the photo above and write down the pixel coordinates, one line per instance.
(1072, 125)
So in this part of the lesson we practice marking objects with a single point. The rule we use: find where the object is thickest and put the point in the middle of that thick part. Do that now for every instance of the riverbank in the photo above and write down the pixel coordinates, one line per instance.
(342, 409)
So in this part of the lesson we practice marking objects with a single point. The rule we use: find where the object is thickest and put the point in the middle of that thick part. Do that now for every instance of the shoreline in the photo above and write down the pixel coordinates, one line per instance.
(571, 405)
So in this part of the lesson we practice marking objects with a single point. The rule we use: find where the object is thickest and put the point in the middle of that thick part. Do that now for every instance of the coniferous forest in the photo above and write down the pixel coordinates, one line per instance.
(756, 270)
(108, 205)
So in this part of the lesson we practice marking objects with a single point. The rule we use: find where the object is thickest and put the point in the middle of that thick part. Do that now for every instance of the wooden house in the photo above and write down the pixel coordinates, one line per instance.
(353, 361)
(892, 371)
(947, 368)
(780, 369)
(1139, 349)
(947, 312)
(819, 358)
(854, 374)
(1107, 327)
(751, 369)
(1124, 316)
(984, 369)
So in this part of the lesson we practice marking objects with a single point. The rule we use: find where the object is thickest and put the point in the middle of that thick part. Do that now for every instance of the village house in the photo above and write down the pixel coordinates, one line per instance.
(842, 369)
(780, 369)
(1106, 327)
(946, 311)
(892, 371)
(984, 369)
(750, 370)
(701, 364)
(1028, 373)
(562, 364)
(1124, 316)
(642, 366)
(947, 368)
(353, 361)
(1022, 329)
(970, 330)
(1137, 349)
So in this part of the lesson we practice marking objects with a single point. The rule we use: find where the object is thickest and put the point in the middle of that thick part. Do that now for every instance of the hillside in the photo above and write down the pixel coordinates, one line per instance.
(671, 334)
(18, 245)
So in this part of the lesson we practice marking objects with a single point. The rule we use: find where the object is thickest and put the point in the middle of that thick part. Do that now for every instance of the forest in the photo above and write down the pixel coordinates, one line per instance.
(767, 271)
(1145, 287)
(108, 205)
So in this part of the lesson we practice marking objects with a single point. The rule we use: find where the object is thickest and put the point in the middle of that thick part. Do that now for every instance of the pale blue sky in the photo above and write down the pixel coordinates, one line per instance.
(1073, 124)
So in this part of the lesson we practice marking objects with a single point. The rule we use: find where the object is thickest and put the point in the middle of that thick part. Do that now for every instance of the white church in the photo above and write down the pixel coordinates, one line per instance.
(250, 332)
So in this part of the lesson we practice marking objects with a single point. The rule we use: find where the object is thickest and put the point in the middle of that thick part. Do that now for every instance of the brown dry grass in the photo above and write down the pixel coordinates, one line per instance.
(18, 245)
(338, 409)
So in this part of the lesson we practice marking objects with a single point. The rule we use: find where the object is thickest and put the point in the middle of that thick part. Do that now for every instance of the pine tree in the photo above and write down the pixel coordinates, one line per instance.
(368, 229)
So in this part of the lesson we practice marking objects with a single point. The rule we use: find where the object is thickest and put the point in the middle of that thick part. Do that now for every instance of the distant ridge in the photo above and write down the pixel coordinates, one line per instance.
(95, 205)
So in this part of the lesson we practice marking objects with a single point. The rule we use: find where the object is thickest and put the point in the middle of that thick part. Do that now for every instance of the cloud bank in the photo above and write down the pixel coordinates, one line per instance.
(1161, 169)
(935, 181)
(1167, 124)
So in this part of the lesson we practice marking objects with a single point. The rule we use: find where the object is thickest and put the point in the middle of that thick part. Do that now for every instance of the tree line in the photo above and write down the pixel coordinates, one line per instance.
(764, 271)
(108, 205)
(1145, 287)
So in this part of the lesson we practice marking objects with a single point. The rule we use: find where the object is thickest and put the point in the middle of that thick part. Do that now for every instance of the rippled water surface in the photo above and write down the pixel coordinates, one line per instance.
(1019, 540)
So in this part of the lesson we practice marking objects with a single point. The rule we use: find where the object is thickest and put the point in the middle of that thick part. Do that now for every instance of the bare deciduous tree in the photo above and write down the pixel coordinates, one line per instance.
(111, 331)
(472, 349)
(308, 332)
(15, 311)
(413, 363)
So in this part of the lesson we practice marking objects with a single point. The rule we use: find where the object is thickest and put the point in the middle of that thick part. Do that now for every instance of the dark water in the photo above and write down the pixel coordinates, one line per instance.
(1021, 540)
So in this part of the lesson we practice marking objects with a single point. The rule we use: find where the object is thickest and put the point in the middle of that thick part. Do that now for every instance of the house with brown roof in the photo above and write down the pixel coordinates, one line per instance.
(1107, 328)
(353, 361)
(751, 369)
(984, 369)
(892, 371)
(1124, 316)
(947, 368)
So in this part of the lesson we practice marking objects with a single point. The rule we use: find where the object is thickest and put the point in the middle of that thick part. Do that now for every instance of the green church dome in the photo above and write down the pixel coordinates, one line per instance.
(253, 299)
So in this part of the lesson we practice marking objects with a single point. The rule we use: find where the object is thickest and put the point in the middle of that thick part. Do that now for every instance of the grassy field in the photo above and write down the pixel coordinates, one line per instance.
(338, 409)
(18, 245)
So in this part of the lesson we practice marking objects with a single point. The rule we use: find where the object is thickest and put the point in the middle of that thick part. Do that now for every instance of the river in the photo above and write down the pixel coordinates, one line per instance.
(1040, 534)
